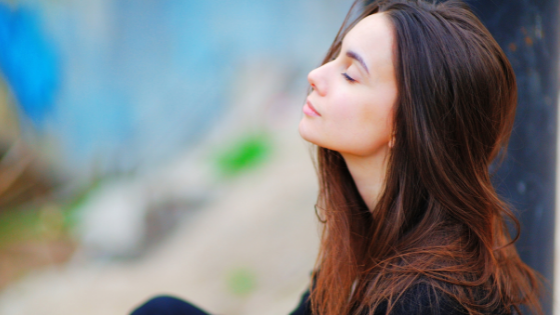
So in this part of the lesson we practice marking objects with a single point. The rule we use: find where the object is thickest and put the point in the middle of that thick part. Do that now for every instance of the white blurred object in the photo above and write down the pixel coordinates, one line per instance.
(112, 221)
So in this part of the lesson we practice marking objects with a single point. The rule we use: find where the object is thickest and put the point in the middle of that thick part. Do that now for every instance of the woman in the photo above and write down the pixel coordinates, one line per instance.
(413, 102)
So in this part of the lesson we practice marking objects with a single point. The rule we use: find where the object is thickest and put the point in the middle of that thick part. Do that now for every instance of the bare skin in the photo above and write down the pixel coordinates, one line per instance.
(350, 109)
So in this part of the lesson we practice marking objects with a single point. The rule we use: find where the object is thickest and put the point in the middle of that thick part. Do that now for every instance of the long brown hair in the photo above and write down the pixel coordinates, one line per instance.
(439, 220)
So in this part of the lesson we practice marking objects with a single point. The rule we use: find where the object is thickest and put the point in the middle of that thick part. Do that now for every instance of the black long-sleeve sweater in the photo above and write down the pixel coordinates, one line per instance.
(420, 299)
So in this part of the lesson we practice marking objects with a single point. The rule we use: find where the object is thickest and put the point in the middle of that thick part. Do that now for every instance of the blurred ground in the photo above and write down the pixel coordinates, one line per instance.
(152, 148)
(248, 251)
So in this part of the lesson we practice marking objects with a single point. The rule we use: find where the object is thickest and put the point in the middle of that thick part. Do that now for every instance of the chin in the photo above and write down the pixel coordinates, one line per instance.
(304, 131)
(309, 135)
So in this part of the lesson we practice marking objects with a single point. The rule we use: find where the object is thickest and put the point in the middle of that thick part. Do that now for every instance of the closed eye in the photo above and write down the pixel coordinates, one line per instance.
(347, 77)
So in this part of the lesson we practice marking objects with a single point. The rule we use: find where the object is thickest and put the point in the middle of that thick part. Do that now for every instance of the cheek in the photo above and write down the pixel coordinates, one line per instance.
(377, 118)
(345, 110)
(351, 123)
(361, 115)
(362, 126)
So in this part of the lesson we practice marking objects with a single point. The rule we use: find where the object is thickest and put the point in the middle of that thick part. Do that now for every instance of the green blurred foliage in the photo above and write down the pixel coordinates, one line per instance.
(244, 154)
(46, 221)
(242, 281)
(18, 225)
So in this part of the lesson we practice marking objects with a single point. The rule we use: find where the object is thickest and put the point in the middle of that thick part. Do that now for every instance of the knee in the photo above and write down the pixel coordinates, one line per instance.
(164, 305)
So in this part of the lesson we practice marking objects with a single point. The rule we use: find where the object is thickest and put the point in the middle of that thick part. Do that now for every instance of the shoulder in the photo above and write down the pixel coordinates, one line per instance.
(423, 299)
(420, 299)
(304, 306)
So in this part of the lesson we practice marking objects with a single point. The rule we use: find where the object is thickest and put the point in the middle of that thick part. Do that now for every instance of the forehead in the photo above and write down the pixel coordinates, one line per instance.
(373, 39)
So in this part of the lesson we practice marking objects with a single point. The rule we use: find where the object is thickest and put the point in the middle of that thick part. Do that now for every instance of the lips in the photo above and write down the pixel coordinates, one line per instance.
(309, 110)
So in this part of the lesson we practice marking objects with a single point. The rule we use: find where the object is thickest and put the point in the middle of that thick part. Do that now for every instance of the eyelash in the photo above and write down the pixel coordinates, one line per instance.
(348, 78)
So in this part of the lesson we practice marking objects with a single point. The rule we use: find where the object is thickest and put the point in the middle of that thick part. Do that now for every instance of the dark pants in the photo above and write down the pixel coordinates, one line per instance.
(167, 305)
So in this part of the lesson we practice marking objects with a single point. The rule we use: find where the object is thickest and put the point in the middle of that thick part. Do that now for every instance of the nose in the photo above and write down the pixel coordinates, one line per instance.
(317, 81)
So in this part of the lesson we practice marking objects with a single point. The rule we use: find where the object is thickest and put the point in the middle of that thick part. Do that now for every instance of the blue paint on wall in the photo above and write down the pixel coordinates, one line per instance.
(28, 62)
(145, 80)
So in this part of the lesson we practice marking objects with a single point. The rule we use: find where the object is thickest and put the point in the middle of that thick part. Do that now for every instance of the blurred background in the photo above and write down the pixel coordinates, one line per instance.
(151, 147)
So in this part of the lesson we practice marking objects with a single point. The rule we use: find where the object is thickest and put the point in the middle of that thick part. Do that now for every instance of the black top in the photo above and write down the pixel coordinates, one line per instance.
(420, 299)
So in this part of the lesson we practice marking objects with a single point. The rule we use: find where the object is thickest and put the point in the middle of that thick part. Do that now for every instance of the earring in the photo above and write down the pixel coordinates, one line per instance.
(392, 141)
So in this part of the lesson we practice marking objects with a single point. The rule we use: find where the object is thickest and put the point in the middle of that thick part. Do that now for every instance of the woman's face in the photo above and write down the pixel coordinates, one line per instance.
(350, 107)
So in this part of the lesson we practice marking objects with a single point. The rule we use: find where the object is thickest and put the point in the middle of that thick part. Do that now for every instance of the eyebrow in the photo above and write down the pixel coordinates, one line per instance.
(358, 58)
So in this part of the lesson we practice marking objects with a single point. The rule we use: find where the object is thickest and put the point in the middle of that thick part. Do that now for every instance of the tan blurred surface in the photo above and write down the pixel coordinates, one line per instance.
(263, 224)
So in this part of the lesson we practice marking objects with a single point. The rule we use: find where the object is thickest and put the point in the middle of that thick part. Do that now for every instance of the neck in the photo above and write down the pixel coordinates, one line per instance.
(368, 173)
